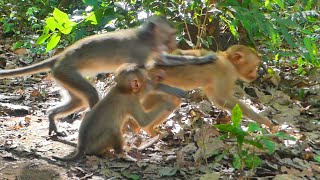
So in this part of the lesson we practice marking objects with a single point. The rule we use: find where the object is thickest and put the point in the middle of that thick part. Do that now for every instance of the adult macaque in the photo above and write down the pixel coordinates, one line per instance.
(217, 79)
(99, 53)
(101, 127)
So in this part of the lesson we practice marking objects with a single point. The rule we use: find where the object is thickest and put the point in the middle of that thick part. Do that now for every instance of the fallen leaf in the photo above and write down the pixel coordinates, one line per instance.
(286, 177)
(211, 176)
(168, 171)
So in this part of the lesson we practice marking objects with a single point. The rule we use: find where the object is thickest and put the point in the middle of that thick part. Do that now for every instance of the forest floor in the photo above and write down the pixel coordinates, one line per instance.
(191, 148)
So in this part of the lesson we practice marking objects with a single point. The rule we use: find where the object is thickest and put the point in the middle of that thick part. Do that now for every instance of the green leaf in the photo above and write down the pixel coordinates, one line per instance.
(236, 161)
(269, 145)
(253, 161)
(66, 27)
(60, 16)
(91, 2)
(287, 36)
(204, 42)
(236, 116)
(309, 5)
(130, 176)
(232, 27)
(270, 70)
(209, 40)
(42, 38)
(240, 139)
(253, 143)
(226, 127)
(92, 18)
(266, 3)
(279, 3)
(253, 127)
(54, 40)
(284, 136)
(51, 23)
(317, 158)
(17, 45)
(310, 47)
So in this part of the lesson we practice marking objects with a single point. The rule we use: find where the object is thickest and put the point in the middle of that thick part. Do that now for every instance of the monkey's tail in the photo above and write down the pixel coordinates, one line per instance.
(71, 158)
(42, 66)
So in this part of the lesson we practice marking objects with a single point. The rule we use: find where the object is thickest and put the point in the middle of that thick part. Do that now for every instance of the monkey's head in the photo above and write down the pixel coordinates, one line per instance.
(245, 60)
(162, 33)
(130, 79)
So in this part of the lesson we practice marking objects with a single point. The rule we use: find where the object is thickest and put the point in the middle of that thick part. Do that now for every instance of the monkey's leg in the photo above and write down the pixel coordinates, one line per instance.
(68, 107)
(118, 143)
(81, 91)
(156, 99)
(224, 99)
(73, 82)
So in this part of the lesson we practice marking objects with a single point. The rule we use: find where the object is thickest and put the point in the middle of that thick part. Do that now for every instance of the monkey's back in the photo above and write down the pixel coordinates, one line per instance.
(195, 76)
(105, 52)
(97, 128)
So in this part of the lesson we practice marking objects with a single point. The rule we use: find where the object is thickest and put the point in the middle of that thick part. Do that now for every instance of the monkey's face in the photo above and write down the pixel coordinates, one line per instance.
(136, 85)
(247, 69)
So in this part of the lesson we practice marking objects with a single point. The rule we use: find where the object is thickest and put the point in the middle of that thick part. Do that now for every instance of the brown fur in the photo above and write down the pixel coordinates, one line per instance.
(217, 79)
(99, 53)
(101, 127)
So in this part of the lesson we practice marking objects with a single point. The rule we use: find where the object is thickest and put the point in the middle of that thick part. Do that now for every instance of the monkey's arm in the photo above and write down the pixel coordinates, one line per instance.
(146, 118)
(153, 100)
(178, 60)
(171, 90)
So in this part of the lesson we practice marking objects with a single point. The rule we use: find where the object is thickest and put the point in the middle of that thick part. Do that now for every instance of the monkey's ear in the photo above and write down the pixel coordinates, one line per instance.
(236, 57)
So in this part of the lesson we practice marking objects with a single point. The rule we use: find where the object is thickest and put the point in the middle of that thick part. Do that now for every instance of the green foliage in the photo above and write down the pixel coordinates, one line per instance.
(283, 30)
(55, 26)
(130, 176)
(317, 158)
(253, 137)
(21, 19)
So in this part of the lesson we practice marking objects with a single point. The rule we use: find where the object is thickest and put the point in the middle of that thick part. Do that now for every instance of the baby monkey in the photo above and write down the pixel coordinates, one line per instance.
(101, 127)
(216, 78)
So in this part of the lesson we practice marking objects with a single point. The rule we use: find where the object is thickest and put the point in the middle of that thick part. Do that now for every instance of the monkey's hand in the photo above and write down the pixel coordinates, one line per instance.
(172, 90)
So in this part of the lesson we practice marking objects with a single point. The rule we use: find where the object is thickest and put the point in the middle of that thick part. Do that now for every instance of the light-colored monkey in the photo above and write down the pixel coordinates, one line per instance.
(216, 78)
